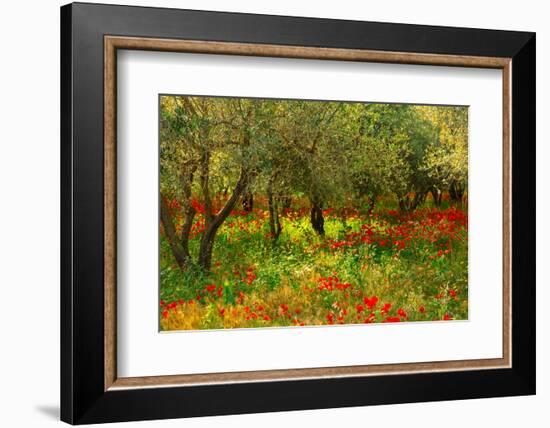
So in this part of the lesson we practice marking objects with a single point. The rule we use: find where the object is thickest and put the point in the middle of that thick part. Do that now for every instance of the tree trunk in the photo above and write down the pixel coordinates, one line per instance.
(317, 219)
(181, 256)
(371, 203)
(205, 186)
(408, 204)
(186, 180)
(247, 201)
(186, 230)
(275, 226)
(419, 198)
(456, 192)
(436, 196)
(286, 202)
(207, 240)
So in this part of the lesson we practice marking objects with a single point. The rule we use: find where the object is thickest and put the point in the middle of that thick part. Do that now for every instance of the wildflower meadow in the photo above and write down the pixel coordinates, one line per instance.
(289, 213)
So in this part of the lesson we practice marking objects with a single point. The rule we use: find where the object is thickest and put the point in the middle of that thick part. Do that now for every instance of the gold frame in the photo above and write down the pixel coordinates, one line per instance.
(113, 43)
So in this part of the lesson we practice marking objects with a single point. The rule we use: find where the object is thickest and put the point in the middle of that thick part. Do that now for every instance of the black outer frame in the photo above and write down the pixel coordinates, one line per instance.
(83, 399)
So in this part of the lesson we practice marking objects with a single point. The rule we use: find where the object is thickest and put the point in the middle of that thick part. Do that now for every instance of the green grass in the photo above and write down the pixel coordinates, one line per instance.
(281, 282)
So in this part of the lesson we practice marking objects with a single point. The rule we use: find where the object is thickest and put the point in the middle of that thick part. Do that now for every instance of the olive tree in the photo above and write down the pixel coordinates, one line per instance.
(210, 144)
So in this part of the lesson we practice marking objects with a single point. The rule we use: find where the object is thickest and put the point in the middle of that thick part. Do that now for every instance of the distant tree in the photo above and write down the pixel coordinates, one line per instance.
(446, 162)
(391, 142)
(312, 138)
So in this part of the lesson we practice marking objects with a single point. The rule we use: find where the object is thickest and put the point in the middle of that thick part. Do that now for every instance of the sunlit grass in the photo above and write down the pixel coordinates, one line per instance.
(384, 267)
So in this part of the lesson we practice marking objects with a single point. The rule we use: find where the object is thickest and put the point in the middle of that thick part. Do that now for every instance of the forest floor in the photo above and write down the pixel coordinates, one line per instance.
(368, 268)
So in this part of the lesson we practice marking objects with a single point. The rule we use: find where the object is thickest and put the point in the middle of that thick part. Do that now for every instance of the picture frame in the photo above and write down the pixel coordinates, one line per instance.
(91, 35)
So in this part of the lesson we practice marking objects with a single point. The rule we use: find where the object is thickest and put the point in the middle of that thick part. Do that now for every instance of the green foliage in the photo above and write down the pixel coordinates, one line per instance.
(317, 173)
(327, 151)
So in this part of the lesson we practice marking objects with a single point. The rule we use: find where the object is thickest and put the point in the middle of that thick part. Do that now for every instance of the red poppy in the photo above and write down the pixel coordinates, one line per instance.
(371, 303)
(240, 298)
(165, 314)
(386, 308)
(422, 309)
(392, 319)
(447, 317)
(359, 308)
(401, 313)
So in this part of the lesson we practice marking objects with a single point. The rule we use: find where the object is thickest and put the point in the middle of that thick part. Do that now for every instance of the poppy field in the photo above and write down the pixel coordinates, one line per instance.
(278, 213)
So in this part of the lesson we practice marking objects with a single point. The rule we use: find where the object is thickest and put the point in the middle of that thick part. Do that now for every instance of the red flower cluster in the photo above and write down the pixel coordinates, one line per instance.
(332, 282)
(199, 208)
(335, 244)
(440, 227)
(250, 275)
(197, 228)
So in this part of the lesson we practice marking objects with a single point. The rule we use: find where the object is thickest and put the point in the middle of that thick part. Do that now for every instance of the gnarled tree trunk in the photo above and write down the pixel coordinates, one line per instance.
(180, 244)
(170, 232)
(212, 226)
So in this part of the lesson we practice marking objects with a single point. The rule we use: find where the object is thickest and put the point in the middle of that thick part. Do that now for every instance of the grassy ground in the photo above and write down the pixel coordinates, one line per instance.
(382, 267)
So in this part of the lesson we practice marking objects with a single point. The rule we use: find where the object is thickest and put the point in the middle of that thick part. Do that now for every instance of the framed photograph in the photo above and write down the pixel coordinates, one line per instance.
(265, 213)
